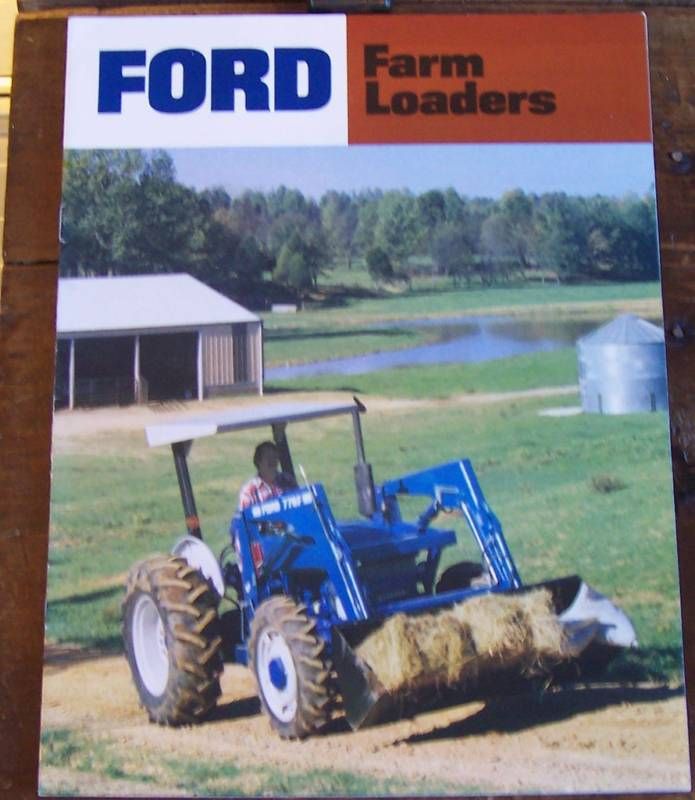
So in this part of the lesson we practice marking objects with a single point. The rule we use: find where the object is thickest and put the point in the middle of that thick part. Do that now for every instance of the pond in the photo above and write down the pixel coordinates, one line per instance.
(459, 340)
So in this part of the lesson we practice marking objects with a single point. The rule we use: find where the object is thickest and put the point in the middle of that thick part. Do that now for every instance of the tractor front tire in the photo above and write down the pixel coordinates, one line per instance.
(171, 633)
(293, 675)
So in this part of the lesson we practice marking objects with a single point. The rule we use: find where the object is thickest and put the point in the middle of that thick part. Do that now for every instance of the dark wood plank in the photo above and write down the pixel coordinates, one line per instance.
(35, 9)
(36, 141)
(674, 138)
(27, 325)
(408, 5)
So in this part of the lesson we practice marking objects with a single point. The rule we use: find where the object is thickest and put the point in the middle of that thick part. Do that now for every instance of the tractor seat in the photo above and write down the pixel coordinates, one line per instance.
(376, 543)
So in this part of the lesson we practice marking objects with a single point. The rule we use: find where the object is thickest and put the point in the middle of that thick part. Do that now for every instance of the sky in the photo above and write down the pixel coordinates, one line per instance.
(473, 170)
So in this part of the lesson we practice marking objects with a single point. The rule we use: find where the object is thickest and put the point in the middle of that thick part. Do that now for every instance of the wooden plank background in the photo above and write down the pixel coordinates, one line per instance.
(27, 319)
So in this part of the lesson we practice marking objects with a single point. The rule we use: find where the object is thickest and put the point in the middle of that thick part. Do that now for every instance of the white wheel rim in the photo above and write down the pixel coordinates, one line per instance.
(149, 645)
(276, 675)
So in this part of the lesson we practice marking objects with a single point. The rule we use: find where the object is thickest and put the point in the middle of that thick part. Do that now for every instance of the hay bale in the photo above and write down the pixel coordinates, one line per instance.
(449, 648)
(411, 652)
(499, 625)
(514, 629)
(546, 630)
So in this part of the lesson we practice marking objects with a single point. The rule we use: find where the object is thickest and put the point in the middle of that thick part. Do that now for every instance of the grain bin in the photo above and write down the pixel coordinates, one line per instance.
(622, 367)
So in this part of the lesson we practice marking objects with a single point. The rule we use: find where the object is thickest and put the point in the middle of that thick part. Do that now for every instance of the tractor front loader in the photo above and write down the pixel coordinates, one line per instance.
(343, 617)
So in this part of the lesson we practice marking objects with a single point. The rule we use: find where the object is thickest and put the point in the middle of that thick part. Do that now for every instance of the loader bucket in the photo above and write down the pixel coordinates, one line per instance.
(587, 616)
(365, 701)
(408, 656)
(526, 631)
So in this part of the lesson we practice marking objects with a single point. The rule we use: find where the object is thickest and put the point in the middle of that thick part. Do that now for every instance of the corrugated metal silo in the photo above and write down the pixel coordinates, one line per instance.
(622, 367)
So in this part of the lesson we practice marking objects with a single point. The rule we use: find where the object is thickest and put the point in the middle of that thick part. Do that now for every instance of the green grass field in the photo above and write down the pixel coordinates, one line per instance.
(585, 494)
(111, 759)
(429, 301)
(531, 371)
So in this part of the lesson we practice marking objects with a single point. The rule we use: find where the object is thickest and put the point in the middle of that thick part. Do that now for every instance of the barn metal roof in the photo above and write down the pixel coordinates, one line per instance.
(625, 329)
(137, 303)
(189, 428)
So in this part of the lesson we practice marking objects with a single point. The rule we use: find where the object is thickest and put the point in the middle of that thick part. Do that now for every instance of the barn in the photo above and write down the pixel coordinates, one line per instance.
(151, 338)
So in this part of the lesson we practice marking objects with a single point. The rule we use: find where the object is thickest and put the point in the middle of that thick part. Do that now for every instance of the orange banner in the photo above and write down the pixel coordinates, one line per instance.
(490, 78)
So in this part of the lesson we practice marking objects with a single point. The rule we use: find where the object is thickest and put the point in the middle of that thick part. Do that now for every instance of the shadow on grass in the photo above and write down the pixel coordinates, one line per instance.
(270, 389)
(65, 655)
(245, 707)
(648, 664)
(297, 334)
(518, 713)
(334, 296)
(86, 597)
(82, 625)
(339, 296)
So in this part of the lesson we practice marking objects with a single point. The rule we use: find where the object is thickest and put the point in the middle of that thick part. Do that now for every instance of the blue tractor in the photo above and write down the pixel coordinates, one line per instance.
(307, 588)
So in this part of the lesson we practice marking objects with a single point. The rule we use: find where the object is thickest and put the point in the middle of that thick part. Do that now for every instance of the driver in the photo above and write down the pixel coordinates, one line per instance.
(269, 481)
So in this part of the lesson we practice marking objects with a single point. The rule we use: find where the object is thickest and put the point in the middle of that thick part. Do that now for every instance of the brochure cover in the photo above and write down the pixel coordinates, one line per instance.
(361, 477)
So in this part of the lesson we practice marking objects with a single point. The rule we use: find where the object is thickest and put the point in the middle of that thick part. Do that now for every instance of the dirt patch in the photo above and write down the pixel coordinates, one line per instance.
(96, 421)
(578, 739)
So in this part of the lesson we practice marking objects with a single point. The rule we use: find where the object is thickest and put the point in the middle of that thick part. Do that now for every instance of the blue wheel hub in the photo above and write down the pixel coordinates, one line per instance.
(278, 675)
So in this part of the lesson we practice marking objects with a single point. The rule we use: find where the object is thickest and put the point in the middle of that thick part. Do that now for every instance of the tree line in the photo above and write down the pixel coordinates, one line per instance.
(125, 212)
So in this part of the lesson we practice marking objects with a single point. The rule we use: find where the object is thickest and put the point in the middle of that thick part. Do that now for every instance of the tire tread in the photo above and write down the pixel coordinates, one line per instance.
(189, 612)
(315, 687)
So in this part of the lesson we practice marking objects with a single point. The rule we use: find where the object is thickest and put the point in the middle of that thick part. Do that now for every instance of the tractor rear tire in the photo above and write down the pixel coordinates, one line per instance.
(172, 639)
(293, 675)
(458, 576)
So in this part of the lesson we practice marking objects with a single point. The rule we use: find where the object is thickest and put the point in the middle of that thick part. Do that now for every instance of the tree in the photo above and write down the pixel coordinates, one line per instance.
(249, 215)
(639, 243)
(98, 205)
(379, 265)
(168, 233)
(506, 233)
(124, 213)
(499, 247)
(451, 251)
(431, 211)
(397, 227)
(339, 220)
(299, 263)
(367, 213)
(561, 236)
(454, 206)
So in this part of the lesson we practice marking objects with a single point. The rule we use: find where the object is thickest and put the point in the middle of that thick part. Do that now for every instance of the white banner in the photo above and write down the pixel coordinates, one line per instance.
(197, 81)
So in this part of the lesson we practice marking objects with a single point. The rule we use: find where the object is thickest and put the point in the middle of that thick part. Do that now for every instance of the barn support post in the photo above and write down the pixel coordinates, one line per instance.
(71, 376)
(137, 393)
(199, 366)
(260, 366)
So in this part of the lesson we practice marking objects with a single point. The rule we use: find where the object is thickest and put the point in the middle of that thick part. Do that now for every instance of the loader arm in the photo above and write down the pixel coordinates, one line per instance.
(454, 487)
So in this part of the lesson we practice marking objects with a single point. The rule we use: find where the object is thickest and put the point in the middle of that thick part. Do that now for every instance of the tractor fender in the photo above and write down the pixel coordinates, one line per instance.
(201, 557)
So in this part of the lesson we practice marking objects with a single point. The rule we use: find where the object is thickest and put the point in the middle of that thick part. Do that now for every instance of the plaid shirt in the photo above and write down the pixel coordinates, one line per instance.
(255, 491)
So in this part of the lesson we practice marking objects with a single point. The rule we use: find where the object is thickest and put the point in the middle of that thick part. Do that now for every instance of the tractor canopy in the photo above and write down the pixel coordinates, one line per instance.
(187, 429)
(181, 433)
